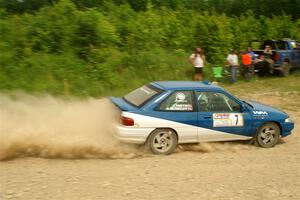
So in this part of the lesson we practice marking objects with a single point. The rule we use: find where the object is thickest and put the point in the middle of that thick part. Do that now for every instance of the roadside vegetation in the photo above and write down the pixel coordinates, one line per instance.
(97, 48)
(268, 84)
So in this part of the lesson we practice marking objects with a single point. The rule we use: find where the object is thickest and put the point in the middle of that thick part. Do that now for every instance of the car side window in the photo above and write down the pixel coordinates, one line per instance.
(216, 102)
(178, 101)
(281, 45)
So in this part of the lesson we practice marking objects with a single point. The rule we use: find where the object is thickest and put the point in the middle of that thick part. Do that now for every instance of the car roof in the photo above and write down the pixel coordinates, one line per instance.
(185, 85)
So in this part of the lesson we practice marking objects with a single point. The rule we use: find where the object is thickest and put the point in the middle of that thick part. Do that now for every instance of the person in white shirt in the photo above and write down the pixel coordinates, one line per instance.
(197, 59)
(233, 62)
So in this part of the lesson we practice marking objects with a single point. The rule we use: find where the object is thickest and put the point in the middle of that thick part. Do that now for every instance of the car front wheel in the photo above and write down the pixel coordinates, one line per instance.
(162, 141)
(267, 135)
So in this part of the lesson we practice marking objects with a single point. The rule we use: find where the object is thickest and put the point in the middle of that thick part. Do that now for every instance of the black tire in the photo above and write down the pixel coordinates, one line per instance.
(262, 69)
(261, 73)
(285, 69)
(267, 135)
(162, 141)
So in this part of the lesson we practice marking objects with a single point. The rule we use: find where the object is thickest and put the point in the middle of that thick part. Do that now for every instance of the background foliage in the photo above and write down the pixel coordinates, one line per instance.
(94, 47)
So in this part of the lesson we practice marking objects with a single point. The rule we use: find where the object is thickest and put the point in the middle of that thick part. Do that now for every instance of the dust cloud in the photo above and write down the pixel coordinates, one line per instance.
(50, 127)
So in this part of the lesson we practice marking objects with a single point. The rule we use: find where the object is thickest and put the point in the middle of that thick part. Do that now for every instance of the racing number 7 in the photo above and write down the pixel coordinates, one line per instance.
(237, 119)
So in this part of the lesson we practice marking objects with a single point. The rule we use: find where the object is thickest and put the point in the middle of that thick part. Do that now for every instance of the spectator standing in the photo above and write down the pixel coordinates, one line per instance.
(267, 55)
(250, 51)
(246, 65)
(233, 62)
(197, 59)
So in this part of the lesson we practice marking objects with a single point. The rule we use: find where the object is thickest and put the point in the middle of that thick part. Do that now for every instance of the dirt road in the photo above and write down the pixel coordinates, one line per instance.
(208, 171)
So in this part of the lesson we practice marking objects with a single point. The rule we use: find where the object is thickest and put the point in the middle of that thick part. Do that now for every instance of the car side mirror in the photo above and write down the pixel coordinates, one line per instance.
(244, 108)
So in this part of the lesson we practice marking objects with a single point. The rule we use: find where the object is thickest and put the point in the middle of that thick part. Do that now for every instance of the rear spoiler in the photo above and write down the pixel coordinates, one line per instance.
(121, 103)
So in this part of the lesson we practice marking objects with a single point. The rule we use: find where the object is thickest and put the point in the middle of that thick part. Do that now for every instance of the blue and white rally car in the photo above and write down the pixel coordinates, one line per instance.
(164, 114)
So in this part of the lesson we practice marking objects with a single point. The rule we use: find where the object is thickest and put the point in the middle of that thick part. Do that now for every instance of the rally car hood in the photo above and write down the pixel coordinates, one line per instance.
(261, 109)
(122, 104)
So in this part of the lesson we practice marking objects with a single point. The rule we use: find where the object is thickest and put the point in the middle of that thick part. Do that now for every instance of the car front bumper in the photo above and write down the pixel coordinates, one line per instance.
(287, 128)
(132, 134)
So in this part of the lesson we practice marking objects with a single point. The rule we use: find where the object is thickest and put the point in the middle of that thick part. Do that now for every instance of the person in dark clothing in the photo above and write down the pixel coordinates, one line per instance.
(267, 55)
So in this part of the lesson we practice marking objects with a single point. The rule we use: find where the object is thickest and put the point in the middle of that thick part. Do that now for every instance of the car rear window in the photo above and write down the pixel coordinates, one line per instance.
(268, 42)
(141, 95)
(281, 45)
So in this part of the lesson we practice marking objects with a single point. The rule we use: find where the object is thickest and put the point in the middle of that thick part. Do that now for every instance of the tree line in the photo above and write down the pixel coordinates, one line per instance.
(94, 47)
(266, 8)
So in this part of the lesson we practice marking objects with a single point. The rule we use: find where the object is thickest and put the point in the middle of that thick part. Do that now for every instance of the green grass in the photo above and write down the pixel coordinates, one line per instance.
(265, 85)
(256, 85)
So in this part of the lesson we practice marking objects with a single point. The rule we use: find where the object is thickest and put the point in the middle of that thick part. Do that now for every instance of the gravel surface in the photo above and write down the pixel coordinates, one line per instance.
(212, 171)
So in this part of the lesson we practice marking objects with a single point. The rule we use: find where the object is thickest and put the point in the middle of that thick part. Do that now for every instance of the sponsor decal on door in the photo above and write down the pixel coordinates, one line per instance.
(228, 119)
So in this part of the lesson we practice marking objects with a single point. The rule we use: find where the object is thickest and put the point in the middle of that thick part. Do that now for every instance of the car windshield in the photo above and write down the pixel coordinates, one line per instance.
(261, 45)
(141, 95)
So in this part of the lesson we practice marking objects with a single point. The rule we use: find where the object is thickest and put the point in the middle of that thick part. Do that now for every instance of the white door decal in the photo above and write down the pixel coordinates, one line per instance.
(228, 119)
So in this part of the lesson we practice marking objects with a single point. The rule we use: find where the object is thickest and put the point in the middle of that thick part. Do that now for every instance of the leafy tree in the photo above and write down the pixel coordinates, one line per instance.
(94, 47)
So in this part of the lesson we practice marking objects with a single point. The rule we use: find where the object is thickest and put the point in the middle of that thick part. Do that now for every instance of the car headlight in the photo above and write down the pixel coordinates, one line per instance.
(288, 120)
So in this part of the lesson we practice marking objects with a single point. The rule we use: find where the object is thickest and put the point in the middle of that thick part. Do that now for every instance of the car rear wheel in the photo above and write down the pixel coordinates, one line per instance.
(163, 141)
(267, 135)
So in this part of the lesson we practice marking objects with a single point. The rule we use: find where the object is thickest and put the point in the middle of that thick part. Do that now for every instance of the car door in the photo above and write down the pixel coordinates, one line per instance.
(220, 117)
(297, 52)
(179, 112)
